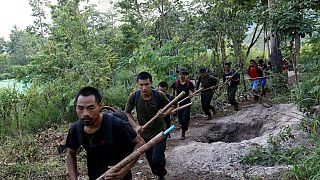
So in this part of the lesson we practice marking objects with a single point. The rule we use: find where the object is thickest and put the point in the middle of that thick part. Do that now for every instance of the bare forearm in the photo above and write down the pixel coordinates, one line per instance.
(132, 121)
(138, 141)
(72, 165)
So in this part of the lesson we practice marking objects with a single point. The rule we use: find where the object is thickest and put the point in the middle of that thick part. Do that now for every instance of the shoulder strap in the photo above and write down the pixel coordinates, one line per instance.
(157, 97)
(176, 83)
(154, 92)
(80, 132)
(136, 97)
(108, 119)
(188, 83)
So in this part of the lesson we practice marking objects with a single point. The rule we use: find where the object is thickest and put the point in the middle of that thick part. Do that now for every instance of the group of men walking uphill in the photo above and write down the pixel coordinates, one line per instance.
(109, 138)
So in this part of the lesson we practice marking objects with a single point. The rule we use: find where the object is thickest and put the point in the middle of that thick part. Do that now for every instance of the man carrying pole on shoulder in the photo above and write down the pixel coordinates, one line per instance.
(232, 79)
(148, 103)
(209, 83)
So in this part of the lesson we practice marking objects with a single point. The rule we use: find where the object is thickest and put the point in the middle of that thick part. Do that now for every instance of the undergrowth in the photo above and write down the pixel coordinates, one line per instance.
(276, 153)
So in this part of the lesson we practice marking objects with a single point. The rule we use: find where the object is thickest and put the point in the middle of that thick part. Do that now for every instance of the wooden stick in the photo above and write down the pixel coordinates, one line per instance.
(163, 110)
(202, 90)
(229, 79)
(256, 78)
(137, 153)
(179, 108)
(219, 86)
(196, 92)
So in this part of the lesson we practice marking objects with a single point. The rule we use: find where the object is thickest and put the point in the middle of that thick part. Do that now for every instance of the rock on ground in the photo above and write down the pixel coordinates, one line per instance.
(214, 150)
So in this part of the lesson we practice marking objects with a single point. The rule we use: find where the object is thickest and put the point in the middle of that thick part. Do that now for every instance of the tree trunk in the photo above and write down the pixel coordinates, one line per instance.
(163, 18)
(223, 49)
(275, 57)
(238, 53)
(137, 8)
(297, 44)
(279, 80)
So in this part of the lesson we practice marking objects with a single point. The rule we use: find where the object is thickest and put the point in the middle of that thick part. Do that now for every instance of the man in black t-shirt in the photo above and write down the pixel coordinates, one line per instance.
(233, 79)
(183, 84)
(106, 138)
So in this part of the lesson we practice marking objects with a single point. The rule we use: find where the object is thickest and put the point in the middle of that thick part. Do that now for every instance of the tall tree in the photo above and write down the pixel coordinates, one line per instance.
(39, 26)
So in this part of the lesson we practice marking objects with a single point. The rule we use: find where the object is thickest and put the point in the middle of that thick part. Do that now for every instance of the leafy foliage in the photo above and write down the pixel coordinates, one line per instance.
(275, 153)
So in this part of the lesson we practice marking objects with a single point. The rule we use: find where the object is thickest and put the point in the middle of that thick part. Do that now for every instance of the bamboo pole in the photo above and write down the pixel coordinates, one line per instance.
(179, 108)
(196, 92)
(137, 153)
(256, 78)
(229, 79)
(163, 110)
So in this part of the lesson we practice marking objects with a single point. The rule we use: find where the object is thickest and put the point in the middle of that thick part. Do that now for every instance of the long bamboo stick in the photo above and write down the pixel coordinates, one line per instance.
(163, 110)
(179, 108)
(137, 153)
(194, 93)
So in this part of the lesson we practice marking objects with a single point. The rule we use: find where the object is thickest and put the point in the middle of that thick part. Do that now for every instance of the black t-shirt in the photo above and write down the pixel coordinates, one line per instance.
(106, 147)
(184, 88)
(235, 77)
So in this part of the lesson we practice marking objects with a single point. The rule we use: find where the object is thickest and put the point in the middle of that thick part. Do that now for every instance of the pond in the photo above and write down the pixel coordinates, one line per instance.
(11, 83)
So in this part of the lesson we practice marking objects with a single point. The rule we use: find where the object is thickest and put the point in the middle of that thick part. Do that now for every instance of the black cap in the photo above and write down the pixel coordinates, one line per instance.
(183, 70)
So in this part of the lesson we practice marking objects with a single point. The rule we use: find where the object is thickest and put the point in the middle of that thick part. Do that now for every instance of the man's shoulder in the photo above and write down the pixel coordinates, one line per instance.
(213, 77)
(161, 94)
(76, 124)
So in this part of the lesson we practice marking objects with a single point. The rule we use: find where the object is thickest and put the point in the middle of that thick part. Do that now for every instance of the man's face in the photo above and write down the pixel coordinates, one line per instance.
(202, 74)
(163, 89)
(145, 86)
(182, 76)
(87, 109)
(226, 68)
(251, 64)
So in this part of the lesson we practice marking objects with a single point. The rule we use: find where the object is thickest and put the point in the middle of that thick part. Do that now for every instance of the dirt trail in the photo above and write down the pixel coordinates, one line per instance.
(213, 148)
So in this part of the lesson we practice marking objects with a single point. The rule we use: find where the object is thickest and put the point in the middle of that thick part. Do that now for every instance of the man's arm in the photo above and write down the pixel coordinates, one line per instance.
(138, 142)
(72, 163)
(134, 124)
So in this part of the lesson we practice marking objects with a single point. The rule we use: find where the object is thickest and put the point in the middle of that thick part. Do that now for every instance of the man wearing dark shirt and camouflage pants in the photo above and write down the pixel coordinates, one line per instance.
(207, 81)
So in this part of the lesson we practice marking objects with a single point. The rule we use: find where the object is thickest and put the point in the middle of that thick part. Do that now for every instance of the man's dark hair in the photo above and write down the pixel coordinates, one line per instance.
(260, 61)
(163, 84)
(203, 70)
(252, 60)
(88, 91)
(228, 64)
(144, 75)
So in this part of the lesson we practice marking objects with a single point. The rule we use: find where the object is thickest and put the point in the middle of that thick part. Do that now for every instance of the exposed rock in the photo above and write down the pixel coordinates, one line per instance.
(216, 149)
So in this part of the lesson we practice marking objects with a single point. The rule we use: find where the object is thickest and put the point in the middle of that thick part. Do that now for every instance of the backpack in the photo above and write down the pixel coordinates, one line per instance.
(154, 92)
(117, 113)
(177, 83)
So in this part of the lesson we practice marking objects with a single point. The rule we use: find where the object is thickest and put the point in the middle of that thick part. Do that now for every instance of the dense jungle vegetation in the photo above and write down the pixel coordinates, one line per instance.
(82, 46)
